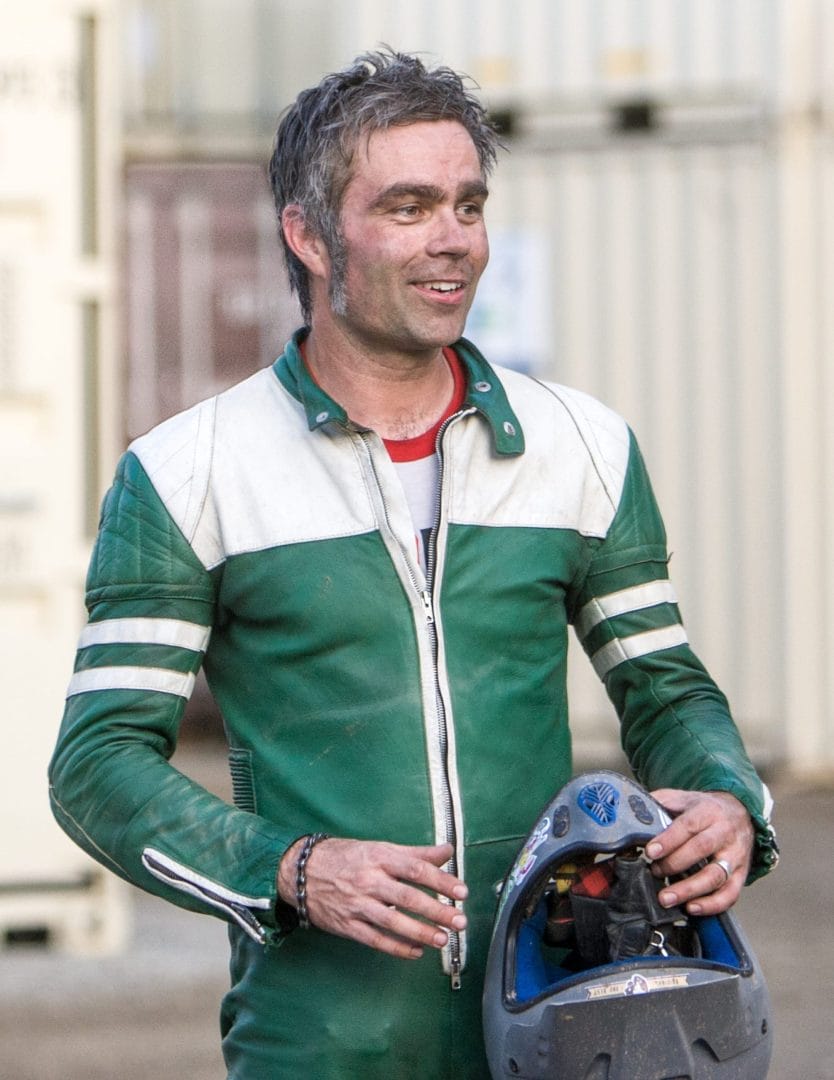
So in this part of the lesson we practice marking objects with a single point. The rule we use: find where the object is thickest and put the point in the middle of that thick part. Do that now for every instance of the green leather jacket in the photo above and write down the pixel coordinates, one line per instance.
(263, 534)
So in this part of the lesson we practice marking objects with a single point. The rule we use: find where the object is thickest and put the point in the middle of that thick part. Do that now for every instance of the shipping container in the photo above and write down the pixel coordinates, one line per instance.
(57, 419)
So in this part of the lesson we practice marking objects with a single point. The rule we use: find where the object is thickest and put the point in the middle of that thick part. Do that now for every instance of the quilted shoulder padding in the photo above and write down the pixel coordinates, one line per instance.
(140, 549)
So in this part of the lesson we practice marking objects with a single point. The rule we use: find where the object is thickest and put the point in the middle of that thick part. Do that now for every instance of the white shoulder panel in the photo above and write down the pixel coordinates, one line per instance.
(242, 473)
(570, 476)
(176, 455)
(603, 432)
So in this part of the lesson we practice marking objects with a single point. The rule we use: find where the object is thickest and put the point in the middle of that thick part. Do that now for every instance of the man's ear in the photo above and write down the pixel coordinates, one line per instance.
(305, 244)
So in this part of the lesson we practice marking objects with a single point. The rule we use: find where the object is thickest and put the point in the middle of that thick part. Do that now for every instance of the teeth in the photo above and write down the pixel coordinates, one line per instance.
(444, 286)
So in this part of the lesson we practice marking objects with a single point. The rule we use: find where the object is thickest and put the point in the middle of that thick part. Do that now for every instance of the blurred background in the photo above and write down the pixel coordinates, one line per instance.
(662, 228)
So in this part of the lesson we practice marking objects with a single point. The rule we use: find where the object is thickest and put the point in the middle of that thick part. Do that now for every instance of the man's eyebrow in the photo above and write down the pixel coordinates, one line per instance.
(429, 192)
(476, 190)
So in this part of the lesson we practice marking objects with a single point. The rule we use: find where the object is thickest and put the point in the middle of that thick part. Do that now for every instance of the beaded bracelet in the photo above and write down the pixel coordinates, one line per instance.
(301, 877)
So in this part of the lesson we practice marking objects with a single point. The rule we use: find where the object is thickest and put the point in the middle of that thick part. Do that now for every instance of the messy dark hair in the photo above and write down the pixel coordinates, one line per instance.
(318, 134)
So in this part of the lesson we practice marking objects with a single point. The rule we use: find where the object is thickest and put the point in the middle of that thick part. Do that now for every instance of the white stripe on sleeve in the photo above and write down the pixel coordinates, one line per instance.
(630, 648)
(159, 680)
(637, 598)
(146, 631)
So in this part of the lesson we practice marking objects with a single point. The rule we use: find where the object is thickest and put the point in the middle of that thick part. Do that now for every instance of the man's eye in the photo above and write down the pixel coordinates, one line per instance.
(471, 210)
(411, 210)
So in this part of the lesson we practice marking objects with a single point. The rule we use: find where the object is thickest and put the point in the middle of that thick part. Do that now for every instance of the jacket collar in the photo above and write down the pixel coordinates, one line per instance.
(484, 393)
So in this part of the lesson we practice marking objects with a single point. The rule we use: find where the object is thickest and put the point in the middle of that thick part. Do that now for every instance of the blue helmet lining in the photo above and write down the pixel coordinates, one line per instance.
(537, 974)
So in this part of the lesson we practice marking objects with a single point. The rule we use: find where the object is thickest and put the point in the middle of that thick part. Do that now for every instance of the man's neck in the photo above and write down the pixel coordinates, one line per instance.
(398, 395)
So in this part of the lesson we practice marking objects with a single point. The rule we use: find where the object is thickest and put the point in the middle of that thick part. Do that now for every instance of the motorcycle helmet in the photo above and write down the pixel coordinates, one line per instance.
(588, 977)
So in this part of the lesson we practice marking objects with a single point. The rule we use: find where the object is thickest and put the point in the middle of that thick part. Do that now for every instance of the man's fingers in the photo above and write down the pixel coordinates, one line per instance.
(423, 867)
(385, 927)
(439, 854)
(407, 898)
(381, 864)
(368, 934)
(707, 823)
(417, 931)
(707, 892)
(709, 826)
(677, 850)
(673, 799)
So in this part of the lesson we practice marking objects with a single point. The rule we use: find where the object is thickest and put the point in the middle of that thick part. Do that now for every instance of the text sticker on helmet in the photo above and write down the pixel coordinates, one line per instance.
(599, 801)
(638, 983)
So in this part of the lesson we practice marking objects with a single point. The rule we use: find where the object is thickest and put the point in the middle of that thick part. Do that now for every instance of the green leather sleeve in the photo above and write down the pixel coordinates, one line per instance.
(112, 787)
(676, 726)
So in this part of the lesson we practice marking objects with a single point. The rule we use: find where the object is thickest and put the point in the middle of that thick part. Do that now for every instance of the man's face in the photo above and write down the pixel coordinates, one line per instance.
(414, 239)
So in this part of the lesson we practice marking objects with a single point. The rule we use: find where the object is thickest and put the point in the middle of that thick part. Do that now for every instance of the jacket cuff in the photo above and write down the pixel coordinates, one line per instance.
(765, 854)
(765, 849)
(285, 916)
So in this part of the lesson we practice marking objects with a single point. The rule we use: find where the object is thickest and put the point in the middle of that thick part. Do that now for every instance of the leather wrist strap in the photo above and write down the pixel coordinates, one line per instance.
(301, 877)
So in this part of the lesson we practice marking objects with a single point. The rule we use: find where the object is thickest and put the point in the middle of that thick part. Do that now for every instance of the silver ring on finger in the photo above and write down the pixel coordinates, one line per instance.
(726, 866)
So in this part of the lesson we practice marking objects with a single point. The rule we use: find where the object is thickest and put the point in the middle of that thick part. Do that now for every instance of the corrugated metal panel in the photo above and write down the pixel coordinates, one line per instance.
(821, 748)
(664, 302)
(245, 59)
(570, 47)
(664, 306)
(203, 62)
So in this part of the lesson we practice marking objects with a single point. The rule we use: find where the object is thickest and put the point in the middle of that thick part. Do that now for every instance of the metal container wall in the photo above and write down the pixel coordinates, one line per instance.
(201, 62)
(664, 304)
(56, 421)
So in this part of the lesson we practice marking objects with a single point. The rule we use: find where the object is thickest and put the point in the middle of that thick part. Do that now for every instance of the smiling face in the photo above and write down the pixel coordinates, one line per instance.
(414, 239)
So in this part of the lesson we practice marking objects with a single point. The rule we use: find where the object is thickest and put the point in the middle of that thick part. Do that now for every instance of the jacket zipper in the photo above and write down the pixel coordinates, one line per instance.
(455, 952)
(178, 877)
(427, 600)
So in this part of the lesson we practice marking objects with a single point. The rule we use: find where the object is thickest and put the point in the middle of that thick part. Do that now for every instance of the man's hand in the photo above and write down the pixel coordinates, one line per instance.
(711, 825)
(371, 892)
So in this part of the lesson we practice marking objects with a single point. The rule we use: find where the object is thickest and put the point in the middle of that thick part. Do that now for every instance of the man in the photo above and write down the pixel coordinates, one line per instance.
(376, 547)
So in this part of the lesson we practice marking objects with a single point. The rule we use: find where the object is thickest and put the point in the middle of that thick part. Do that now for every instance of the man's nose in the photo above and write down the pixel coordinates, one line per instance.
(449, 235)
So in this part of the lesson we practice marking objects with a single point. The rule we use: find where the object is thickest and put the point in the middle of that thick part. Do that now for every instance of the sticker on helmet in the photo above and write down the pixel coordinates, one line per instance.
(526, 860)
(638, 983)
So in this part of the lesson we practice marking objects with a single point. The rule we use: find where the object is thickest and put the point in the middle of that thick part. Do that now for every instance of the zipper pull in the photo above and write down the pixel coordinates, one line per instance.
(246, 916)
(428, 608)
(454, 976)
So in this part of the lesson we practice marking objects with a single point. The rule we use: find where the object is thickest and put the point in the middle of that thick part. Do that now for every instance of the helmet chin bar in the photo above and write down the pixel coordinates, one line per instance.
(588, 977)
